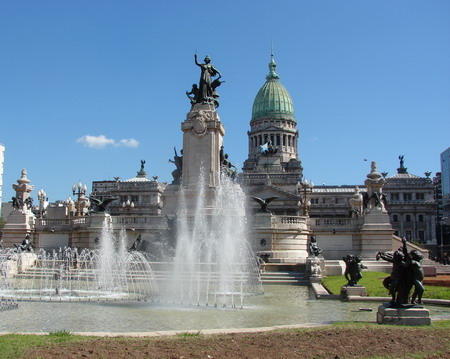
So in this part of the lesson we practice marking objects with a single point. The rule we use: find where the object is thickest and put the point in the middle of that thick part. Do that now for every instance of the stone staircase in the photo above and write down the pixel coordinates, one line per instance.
(284, 277)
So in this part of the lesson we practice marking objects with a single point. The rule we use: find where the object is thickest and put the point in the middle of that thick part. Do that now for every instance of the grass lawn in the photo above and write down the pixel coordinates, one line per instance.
(15, 345)
(373, 281)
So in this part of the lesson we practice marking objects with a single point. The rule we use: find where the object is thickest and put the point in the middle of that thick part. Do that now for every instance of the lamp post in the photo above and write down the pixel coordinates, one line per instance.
(41, 195)
(442, 237)
(303, 188)
(128, 206)
(79, 190)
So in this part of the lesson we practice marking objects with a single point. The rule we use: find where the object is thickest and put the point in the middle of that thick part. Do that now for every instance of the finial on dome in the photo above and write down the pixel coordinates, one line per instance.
(272, 67)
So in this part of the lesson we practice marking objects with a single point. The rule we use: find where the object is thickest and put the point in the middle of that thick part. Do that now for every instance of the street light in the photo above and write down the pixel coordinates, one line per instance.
(303, 188)
(41, 195)
(442, 237)
(79, 190)
(128, 206)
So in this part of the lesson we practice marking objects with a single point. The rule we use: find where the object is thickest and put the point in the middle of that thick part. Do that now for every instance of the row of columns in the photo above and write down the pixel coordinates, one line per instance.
(277, 140)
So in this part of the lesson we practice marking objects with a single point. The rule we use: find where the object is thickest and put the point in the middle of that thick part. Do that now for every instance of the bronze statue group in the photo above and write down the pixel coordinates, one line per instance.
(406, 273)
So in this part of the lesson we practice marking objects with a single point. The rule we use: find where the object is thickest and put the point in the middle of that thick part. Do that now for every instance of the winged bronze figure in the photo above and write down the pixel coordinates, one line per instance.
(263, 203)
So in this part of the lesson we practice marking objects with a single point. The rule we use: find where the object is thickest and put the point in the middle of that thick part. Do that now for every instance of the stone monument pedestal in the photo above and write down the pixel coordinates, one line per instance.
(314, 268)
(354, 291)
(403, 316)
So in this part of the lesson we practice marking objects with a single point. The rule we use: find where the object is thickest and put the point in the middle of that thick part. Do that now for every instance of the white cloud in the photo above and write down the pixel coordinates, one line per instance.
(102, 141)
(128, 142)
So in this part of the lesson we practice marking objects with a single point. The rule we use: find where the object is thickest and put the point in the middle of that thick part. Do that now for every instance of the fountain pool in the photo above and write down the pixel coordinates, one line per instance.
(281, 305)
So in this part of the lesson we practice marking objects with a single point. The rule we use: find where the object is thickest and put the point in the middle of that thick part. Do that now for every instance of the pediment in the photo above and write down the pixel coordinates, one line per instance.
(273, 191)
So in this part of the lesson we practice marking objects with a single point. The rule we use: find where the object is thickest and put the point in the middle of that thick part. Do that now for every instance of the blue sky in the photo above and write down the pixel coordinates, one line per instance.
(369, 79)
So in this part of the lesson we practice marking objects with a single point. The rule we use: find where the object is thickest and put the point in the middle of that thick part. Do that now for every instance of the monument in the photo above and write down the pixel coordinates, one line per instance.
(202, 142)
(376, 230)
(20, 220)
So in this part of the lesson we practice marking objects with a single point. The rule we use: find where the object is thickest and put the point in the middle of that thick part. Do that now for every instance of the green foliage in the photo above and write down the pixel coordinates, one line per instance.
(188, 334)
(373, 281)
(60, 333)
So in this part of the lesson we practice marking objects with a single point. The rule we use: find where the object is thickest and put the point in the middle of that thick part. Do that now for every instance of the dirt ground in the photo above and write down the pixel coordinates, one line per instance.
(328, 342)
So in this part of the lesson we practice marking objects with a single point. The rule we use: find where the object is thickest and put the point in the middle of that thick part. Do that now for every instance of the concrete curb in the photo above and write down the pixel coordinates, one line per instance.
(443, 302)
(180, 332)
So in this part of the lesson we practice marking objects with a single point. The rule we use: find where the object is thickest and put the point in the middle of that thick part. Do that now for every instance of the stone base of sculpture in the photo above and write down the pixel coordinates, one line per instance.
(403, 316)
(18, 223)
(280, 239)
(376, 232)
(353, 291)
(314, 268)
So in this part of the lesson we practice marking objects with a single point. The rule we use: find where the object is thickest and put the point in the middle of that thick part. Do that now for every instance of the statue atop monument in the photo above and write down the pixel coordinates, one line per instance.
(402, 168)
(205, 92)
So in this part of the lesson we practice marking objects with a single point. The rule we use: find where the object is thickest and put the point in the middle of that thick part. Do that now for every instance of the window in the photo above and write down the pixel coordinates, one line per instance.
(420, 196)
(420, 217)
(408, 218)
(278, 140)
(395, 196)
(395, 218)
(323, 200)
(407, 196)
(408, 235)
(336, 200)
(422, 236)
(314, 201)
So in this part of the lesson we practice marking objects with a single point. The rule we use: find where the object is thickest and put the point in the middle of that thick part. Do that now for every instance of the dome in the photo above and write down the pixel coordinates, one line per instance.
(273, 100)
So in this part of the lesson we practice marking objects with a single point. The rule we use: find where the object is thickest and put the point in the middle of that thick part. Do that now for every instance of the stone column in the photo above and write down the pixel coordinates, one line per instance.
(202, 138)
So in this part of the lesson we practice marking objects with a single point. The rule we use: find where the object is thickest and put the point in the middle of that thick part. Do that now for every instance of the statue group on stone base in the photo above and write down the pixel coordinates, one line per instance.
(226, 166)
(26, 245)
(205, 92)
(268, 149)
(353, 269)
(406, 273)
(314, 249)
(178, 162)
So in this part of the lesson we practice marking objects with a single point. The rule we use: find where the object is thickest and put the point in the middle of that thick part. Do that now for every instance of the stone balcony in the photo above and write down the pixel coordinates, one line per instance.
(330, 224)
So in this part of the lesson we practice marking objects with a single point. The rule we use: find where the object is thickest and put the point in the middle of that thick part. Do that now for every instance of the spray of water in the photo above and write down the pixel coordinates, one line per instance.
(213, 264)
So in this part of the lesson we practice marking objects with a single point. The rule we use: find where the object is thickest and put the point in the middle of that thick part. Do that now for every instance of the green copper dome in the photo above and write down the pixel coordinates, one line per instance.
(273, 100)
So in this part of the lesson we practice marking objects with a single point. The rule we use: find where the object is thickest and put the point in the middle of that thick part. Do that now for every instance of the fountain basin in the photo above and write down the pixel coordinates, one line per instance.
(281, 305)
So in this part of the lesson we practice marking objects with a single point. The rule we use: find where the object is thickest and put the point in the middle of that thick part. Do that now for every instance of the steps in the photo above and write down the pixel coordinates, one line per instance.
(286, 278)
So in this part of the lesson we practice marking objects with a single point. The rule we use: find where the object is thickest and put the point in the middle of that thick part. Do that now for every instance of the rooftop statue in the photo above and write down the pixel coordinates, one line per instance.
(206, 90)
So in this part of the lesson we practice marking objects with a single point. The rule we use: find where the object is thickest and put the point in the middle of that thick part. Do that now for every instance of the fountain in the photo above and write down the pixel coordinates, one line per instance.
(69, 275)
